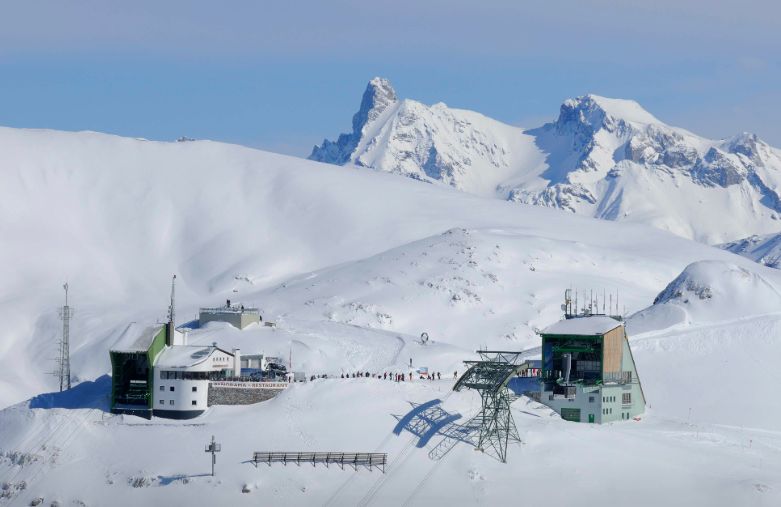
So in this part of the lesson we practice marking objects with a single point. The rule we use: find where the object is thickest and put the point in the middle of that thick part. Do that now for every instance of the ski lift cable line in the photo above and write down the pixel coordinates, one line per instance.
(403, 456)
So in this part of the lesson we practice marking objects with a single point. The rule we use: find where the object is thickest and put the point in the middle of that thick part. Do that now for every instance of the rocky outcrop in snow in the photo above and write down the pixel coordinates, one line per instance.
(762, 249)
(707, 292)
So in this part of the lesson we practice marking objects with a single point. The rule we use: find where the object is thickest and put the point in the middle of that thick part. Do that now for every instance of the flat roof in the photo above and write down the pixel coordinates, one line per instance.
(136, 338)
(585, 326)
(185, 356)
(229, 309)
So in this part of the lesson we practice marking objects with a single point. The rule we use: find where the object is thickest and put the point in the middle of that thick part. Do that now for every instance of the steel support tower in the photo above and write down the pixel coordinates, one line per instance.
(64, 362)
(489, 376)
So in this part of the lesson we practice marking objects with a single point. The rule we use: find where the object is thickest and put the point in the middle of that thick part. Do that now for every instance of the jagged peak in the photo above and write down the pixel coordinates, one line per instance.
(379, 94)
(745, 143)
(594, 110)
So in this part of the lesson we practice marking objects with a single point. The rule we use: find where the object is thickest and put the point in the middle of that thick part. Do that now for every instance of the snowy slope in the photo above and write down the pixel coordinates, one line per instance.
(605, 158)
(353, 265)
(764, 249)
(702, 452)
(117, 216)
(708, 292)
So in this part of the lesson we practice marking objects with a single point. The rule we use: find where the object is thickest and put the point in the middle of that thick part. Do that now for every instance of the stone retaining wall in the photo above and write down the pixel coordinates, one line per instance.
(239, 396)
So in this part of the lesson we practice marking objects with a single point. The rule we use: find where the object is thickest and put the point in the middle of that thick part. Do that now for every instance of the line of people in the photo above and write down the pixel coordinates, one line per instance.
(397, 377)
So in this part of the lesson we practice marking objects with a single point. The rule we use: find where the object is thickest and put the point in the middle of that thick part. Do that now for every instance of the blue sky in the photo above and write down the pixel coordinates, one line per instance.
(283, 75)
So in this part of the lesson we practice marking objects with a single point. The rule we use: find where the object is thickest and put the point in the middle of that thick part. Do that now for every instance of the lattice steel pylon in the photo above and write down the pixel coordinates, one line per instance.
(489, 377)
(64, 362)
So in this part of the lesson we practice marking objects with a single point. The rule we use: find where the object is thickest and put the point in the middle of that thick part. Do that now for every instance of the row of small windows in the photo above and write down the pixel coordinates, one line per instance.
(187, 375)
(172, 388)
(171, 402)
(626, 399)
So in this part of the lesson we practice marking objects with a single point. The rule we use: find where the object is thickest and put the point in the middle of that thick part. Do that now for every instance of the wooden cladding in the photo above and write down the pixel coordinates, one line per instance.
(613, 351)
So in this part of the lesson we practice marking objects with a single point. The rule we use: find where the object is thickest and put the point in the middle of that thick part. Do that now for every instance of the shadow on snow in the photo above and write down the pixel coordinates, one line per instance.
(89, 394)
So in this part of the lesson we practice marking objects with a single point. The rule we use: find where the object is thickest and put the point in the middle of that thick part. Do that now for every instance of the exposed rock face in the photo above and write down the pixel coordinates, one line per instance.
(762, 249)
(379, 95)
(429, 143)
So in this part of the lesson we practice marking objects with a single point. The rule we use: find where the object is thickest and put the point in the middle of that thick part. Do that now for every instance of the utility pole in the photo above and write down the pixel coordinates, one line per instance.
(64, 372)
(213, 448)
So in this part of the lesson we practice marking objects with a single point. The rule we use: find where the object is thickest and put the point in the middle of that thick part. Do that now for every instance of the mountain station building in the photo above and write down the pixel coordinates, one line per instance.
(155, 372)
(588, 373)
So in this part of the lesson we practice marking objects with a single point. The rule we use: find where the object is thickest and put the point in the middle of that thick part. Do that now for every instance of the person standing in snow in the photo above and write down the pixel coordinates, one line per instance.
(439, 376)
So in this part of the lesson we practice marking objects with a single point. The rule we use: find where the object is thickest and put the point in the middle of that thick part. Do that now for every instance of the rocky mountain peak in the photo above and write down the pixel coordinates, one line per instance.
(378, 96)
(589, 113)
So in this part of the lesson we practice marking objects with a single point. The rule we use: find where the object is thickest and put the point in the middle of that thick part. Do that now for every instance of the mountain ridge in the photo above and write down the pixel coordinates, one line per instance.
(602, 157)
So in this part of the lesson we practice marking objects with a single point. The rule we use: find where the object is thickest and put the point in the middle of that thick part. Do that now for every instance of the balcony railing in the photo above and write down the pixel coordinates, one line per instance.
(229, 309)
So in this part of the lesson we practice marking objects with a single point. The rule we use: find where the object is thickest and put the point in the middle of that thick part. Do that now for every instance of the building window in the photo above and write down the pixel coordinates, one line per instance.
(591, 399)
(162, 402)
(172, 388)
(162, 388)
(195, 402)
(171, 402)
(195, 389)
(626, 398)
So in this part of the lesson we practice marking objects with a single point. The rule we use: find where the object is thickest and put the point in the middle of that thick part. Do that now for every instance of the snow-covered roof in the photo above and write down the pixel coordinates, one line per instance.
(136, 338)
(185, 356)
(587, 326)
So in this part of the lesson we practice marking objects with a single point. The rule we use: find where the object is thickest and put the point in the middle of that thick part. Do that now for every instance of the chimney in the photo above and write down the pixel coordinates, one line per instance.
(237, 362)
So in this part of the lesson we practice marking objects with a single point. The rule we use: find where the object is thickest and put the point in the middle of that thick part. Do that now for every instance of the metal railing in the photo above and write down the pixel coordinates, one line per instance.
(229, 309)
(354, 459)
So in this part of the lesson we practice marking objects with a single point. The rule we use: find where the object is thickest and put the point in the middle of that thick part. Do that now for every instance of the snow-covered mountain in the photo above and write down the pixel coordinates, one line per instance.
(604, 158)
(464, 149)
(765, 249)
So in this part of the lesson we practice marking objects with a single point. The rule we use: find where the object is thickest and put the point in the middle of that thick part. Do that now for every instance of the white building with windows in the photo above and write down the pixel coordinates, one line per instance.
(182, 374)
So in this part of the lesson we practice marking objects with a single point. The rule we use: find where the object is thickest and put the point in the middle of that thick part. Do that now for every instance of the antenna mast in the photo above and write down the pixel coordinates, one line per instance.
(66, 312)
(172, 306)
